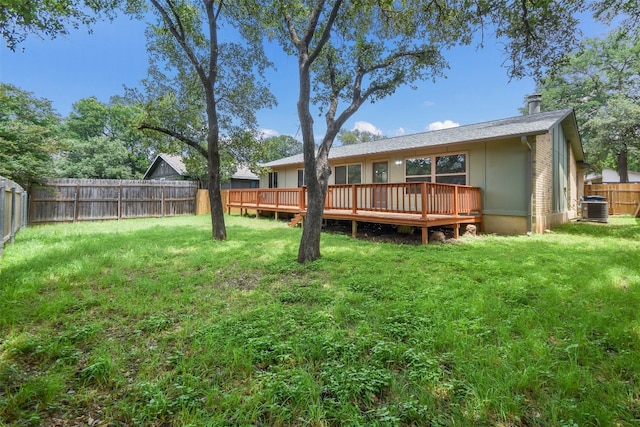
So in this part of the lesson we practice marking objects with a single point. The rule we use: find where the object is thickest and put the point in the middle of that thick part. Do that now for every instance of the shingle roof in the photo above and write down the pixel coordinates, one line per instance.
(175, 162)
(514, 126)
(243, 172)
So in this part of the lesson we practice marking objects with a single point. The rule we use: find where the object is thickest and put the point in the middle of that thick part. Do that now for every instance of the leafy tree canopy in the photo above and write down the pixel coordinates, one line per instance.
(96, 157)
(356, 136)
(28, 136)
(48, 18)
(601, 82)
(108, 126)
(278, 147)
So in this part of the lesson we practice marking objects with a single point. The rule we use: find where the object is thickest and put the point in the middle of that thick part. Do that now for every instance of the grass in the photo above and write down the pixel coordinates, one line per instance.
(149, 322)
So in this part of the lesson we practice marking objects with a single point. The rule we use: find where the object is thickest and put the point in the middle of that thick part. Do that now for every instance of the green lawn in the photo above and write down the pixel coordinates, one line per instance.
(149, 322)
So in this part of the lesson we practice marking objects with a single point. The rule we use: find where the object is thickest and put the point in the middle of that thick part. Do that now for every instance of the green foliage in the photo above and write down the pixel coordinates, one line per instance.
(600, 82)
(156, 324)
(350, 137)
(28, 136)
(97, 157)
(19, 18)
(103, 141)
(278, 147)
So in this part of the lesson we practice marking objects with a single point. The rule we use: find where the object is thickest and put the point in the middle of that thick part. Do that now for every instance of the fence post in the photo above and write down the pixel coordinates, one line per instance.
(3, 186)
(13, 214)
(23, 208)
(120, 203)
(75, 203)
(162, 201)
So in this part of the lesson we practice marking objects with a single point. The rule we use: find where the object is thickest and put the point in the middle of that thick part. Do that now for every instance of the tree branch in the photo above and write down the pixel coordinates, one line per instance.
(190, 142)
(327, 30)
(181, 40)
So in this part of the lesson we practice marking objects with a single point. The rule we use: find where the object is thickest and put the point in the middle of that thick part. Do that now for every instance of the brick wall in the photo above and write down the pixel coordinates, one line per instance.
(542, 182)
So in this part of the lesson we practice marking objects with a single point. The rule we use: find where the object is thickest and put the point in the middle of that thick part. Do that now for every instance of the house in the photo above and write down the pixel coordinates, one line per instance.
(610, 176)
(172, 168)
(528, 169)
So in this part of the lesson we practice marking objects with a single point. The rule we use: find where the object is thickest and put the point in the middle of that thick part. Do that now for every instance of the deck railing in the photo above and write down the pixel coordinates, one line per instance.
(423, 198)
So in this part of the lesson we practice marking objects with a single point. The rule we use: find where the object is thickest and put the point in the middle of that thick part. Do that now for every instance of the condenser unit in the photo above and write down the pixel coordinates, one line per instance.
(595, 209)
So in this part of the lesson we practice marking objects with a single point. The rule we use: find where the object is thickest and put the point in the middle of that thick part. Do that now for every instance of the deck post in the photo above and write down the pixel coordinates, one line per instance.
(354, 199)
(301, 198)
(354, 229)
(423, 194)
(455, 201)
(276, 215)
(425, 235)
(456, 231)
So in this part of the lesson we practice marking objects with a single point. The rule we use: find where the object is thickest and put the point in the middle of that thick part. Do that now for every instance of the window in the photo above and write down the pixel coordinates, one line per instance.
(418, 170)
(348, 174)
(449, 169)
(301, 182)
(273, 179)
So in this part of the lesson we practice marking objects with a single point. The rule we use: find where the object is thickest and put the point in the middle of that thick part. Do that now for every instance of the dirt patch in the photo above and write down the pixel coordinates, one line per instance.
(384, 232)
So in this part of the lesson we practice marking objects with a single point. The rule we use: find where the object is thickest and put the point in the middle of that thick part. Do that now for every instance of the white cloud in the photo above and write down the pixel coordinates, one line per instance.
(268, 133)
(429, 103)
(367, 127)
(442, 125)
(399, 132)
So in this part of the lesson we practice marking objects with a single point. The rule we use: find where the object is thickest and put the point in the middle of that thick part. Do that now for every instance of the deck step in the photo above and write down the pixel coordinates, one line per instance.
(295, 220)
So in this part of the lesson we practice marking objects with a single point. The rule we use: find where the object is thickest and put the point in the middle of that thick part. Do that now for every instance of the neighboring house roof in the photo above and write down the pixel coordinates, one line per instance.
(175, 162)
(532, 124)
(243, 172)
(610, 175)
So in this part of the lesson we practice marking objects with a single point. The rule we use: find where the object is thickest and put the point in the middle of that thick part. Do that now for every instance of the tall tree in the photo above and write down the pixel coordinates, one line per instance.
(352, 52)
(28, 136)
(202, 90)
(614, 131)
(601, 81)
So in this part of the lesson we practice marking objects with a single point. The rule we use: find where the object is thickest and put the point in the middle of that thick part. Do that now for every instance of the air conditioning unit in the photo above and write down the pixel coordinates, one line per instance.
(595, 210)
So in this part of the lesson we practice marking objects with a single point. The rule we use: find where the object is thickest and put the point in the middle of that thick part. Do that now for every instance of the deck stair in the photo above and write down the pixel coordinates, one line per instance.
(295, 220)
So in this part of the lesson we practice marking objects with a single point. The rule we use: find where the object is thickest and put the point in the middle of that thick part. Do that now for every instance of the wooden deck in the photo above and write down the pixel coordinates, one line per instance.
(420, 204)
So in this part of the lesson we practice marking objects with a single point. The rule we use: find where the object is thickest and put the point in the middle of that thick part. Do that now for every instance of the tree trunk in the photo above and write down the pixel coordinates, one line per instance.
(218, 228)
(622, 159)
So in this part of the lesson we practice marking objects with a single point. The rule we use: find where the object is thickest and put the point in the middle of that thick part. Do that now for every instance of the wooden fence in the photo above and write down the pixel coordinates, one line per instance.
(68, 199)
(13, 210)
(623, 198)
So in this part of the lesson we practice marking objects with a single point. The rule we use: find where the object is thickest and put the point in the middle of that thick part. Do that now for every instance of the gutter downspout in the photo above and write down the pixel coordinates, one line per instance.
(529, 182)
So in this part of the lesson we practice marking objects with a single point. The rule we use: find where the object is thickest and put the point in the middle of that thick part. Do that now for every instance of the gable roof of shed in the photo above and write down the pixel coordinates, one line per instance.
(175, 162)
(532, 124)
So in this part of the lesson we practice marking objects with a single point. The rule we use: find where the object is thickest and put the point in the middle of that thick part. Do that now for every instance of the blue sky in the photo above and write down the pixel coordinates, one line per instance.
(81, 65)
